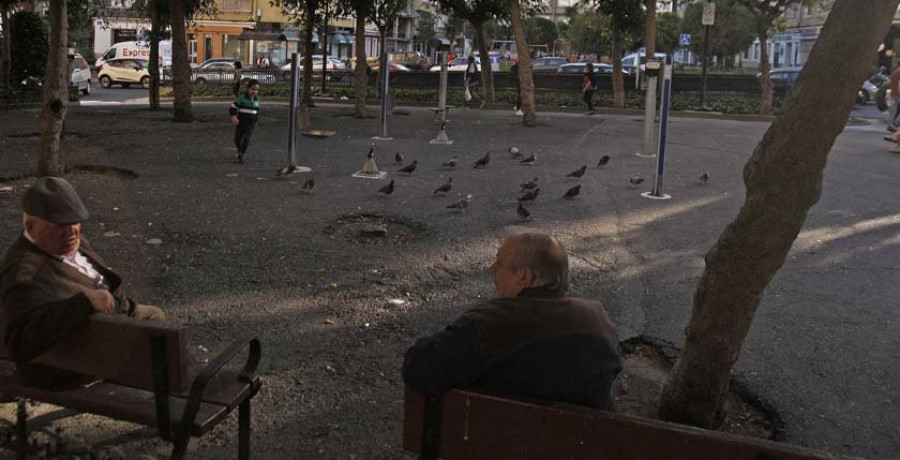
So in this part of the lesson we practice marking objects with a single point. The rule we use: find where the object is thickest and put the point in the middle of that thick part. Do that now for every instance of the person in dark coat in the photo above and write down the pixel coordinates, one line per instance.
(531, 341)
(52, 281)
(514, 77)
(589, 82)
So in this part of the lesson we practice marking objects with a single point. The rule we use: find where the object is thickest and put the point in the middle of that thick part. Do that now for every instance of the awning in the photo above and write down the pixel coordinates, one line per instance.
(338, 39)
(444, 40)
(284, 36)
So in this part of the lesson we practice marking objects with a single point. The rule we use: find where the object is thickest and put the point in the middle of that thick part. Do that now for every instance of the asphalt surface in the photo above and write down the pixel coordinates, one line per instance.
(242, 251)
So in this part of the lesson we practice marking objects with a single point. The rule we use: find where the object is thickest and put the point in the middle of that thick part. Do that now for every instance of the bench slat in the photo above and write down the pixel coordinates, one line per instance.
(481, 426)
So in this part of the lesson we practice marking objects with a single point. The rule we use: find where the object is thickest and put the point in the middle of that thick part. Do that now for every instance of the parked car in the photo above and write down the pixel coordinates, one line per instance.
(334, 68)
(634, 61)
(411, 59)
(395, 67)
(581, 67)
(221, 70)
(124, 72)
(548, 64)
(783, 78)
(457, 65)
(81, 74)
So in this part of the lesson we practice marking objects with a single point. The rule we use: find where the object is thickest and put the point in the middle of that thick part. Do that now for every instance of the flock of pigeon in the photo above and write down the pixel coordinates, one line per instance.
(529, 189)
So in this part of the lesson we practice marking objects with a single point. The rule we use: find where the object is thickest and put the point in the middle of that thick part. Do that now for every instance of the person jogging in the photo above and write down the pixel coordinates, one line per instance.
(244, 112)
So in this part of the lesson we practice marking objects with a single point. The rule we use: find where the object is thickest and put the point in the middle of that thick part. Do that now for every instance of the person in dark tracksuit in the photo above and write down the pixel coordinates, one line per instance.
(244, 112)
(590, 85)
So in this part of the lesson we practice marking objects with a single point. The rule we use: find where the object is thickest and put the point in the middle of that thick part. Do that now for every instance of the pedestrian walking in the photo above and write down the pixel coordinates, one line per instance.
(244, 112)
(236, 87)
(590, 85)
(514, 76)
(472, 79)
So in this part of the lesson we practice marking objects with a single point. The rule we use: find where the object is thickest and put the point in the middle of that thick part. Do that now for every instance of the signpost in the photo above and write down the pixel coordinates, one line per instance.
(656, 193)
(709, 19)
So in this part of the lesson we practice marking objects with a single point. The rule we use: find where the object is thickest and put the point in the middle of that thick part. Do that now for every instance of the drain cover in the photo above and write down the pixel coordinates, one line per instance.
(373, 229)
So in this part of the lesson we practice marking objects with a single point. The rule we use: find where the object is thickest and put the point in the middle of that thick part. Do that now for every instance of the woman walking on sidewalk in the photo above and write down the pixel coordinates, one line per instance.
(244, 112)
(590, 85)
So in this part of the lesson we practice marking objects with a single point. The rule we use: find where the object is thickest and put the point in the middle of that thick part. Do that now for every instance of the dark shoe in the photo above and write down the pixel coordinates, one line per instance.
(240, 158)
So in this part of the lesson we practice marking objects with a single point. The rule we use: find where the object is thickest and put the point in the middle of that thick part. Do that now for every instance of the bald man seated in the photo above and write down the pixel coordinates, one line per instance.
(531, 341)
(51, 280)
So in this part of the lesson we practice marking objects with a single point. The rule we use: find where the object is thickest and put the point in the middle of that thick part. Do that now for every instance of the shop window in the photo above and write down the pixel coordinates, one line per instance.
(237, 5)
(233, 48)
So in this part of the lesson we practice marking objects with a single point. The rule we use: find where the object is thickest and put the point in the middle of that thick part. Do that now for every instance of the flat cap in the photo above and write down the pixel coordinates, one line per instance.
(54, 199)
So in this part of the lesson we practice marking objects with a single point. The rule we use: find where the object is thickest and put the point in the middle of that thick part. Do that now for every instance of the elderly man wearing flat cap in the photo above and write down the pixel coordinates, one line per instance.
(51, 280)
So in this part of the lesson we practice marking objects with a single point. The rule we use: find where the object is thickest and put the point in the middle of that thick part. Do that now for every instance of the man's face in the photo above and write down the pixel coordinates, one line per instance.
(253, 91)
(509, 282)
(58, 239)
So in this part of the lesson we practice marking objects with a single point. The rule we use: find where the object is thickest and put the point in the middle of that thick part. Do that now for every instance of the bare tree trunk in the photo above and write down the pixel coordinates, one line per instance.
(765, 102)
(306, 90)
(618, 79)
(487, 74)
(783, 179)
(5, 65)
(362, 79)
(56, 93)
(181, 66)
(154, 55)
(526, 82)
(650, 28)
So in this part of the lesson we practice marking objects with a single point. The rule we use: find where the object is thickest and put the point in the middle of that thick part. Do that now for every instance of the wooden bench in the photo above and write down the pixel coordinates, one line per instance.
(465, 425)
(145, 369)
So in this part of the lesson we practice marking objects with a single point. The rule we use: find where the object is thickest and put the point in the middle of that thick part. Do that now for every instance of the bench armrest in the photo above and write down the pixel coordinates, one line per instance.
(248, 374)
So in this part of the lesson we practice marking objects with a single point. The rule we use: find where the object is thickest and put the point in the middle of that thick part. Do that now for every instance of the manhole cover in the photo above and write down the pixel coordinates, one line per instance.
(373, 229)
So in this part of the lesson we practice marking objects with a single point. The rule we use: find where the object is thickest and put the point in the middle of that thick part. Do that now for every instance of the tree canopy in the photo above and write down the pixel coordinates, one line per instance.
(733, 32)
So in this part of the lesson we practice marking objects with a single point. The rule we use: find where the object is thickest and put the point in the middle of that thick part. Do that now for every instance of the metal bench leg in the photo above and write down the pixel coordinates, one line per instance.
(180, 446)
(21, 429)
(244, 430)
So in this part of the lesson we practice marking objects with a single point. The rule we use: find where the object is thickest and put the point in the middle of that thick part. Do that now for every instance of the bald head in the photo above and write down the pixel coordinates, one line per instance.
(530, 260)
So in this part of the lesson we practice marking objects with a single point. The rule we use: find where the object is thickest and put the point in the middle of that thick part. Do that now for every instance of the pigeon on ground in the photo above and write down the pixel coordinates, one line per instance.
(371, 154)
(309, 186)
(635, 180)
(451, 163)
(529, 185)
(603, 160)
(287, 170)
(704, 178)
(387, 189)
(408, 169)
(578, 172)
(444, 188)
(398, 158)
(573, 192)
(529, 161)
(483, 161)
(523, 212)
(530, 196)
(514, 152)
(461, 204)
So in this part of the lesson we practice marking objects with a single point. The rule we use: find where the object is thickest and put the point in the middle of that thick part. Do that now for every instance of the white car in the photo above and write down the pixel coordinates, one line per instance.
(333, 68)
(457, 65)
(81, 75)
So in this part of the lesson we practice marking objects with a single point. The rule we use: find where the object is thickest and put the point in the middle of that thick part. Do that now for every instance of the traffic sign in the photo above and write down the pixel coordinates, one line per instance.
(709, 14)
(684, 39)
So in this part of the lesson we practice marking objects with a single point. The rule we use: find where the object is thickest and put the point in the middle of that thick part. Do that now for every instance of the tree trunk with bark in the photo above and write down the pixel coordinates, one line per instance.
(784, 180)
(153, 67)
(56, 93)
(487, 74)
(360, 73)
(181, 66)
(526, 82)
(5, 63)
(618, 79)
(768, 94)
(650, 28)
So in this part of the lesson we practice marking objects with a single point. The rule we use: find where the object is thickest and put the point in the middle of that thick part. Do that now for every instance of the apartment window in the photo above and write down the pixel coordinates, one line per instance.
(192, 48)
(237, 5)
(756, 51)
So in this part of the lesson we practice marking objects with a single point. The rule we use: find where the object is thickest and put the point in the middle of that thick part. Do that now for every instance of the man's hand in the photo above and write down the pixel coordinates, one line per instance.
(101, 301)
(235, 121)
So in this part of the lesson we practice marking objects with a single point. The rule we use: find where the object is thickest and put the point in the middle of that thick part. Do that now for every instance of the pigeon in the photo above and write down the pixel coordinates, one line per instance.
(387, 189)
(573, 192)
(444, 188)
(451, 163)
(398, 158)
(483, 161)
(578, 172)
(603, 160)
(408, 169)
(371, 154)
(309, 186)
(529, 161)
(704, 178)
(529, 185)
(514, 152)
(523, 212)
(287, 170)
(461, 204)
(530, 196)
(635, 180)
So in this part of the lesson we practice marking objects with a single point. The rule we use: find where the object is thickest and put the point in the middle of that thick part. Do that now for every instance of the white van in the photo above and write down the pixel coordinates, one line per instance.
(137, 50)
(631, 61)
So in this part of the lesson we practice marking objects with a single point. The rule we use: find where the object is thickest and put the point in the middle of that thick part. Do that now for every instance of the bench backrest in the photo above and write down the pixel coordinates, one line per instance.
(118, 349)
(475, 425)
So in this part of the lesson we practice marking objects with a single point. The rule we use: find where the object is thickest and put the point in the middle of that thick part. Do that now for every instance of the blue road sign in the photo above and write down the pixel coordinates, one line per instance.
(684, 39)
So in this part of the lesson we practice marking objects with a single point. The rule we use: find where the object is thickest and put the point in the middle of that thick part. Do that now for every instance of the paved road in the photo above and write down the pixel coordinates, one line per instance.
(116, 95)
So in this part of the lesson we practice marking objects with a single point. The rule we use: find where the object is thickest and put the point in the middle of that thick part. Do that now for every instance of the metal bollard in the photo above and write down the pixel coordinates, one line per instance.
(385, 86)
(657, 194)
(442, 95)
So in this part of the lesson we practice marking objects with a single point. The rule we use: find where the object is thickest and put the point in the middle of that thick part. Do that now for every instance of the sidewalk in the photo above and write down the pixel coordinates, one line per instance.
(244, 251)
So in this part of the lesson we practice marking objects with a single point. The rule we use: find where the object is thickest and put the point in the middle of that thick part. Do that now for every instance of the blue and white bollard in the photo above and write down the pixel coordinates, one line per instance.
(656, 193)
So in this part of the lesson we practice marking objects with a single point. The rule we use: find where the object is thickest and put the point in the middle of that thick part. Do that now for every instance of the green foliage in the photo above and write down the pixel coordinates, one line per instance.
(629, 14)
(29, 47)
(733, 32)
(668, 29)
(540, 31)
(79, 17)
(425, 29)
(588, 33)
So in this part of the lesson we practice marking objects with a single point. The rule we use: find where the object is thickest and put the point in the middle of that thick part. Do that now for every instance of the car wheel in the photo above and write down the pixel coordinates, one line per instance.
(200, 81)
(87, 89)
(145, 82)
(105, 81)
